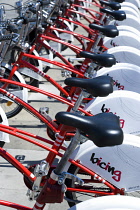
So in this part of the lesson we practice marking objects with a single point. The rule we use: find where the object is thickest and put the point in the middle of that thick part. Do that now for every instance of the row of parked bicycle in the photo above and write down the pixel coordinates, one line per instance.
(102, 94)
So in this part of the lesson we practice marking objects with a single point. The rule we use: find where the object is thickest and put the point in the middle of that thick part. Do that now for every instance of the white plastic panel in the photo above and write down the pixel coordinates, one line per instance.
(130, 20)
(129, 29)
(120, 165)
(125, 54)
(124, 104)
(126, 76)
(125, 38)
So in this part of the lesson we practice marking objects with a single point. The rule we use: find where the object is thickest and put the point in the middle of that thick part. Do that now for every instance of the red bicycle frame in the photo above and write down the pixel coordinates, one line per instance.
(23, 63)
(53, 152)
(96, 4)
(79, 37)
(20, 63)
(50, 124)
(89, 18)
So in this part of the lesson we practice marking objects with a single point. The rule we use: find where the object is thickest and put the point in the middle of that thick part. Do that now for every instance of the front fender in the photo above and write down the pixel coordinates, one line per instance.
(23, 94)
(3, 120)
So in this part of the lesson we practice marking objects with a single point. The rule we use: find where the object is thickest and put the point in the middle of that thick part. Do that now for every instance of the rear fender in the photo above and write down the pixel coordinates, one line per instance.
(113, 164)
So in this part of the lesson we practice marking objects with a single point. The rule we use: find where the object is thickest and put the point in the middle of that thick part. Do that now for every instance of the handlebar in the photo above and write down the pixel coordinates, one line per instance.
(12, 28)
(25, 20)
(28, 20)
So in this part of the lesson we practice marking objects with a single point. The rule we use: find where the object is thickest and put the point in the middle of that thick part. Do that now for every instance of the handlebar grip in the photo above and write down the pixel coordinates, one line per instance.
(12, 28)
(27, 20)
(6, 37)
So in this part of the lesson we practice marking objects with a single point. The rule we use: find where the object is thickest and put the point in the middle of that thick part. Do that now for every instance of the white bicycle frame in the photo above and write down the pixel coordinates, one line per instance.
(131, 11)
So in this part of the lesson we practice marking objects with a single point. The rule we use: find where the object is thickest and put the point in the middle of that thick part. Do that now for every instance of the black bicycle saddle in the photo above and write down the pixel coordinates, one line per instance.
(118, 15)
(109, 30)
(98, 86)
(112, 5)
(105, 60)
(103, 129)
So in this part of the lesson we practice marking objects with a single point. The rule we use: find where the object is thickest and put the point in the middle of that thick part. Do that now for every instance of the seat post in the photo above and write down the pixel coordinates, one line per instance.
(78, 102)
(95, 44)
(73, 144)
(102, 18)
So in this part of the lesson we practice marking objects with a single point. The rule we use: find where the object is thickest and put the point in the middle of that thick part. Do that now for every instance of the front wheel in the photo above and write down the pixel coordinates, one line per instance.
(10, 107)
(28, 75)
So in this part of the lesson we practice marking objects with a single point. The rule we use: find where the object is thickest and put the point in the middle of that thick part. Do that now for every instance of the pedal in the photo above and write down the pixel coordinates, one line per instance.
(71, 61)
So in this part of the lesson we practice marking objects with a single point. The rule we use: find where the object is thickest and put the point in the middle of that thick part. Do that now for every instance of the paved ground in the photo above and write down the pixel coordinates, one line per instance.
(13, 188)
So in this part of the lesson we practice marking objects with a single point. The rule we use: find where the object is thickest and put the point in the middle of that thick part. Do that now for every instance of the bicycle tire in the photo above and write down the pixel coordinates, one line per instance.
(29, 80)
(44, 52)
(74, 198)
(2, 144)
(11, 108)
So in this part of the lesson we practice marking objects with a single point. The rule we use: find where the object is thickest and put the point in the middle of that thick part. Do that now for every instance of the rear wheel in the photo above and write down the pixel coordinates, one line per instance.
(10, 107)
(89, 184)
